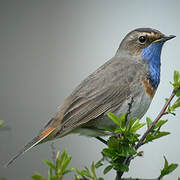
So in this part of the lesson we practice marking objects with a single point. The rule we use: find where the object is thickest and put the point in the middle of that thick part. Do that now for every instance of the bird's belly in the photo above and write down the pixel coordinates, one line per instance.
(139, 107)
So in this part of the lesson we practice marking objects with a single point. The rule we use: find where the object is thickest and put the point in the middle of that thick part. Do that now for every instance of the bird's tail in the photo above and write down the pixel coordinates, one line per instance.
(43, 134)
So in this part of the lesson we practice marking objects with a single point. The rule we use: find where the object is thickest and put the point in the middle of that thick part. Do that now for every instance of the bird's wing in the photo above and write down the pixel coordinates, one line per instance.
(91, 108)
(106, 88)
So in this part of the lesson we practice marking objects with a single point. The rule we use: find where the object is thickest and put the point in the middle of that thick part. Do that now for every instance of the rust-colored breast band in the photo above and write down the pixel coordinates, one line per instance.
(148, 87)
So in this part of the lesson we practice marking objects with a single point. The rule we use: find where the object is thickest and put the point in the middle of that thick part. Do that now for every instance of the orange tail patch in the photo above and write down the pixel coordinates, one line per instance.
(46, 132)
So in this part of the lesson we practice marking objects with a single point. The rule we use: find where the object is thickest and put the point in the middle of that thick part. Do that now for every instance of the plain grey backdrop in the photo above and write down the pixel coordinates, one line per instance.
(47, 47)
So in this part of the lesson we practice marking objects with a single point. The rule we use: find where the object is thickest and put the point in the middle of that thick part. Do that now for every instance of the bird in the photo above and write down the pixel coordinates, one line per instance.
(132, 75)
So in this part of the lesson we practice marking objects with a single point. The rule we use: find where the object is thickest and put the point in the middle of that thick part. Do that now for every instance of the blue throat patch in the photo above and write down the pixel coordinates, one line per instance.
(152, 55)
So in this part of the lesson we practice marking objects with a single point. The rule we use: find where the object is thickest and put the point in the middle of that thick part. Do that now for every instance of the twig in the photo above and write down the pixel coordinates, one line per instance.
(53, 153)
(141, 141)
(102, 140)
(129, 111)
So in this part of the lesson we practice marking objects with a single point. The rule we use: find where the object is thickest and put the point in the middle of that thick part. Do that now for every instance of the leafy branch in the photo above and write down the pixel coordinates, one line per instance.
(57, 170)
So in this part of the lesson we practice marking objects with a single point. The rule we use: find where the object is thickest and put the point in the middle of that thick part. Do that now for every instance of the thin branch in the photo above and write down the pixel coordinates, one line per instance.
(129, 111)
(53, 153)
(141, 141)
(102, 140)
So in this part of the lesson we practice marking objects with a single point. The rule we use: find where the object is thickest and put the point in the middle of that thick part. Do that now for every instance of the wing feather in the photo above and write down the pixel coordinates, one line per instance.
(101, 92)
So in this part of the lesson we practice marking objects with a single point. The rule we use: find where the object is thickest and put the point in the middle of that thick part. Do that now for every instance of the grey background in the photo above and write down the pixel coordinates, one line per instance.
(48, 47)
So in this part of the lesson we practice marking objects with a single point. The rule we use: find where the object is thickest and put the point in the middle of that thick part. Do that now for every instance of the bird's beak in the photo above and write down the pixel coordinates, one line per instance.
(164, 38)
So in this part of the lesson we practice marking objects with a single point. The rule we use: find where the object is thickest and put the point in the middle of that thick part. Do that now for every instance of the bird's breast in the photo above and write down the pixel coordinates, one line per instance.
(149, 90)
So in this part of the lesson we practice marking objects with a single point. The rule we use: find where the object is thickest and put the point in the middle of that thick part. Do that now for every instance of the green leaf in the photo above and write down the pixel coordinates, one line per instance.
(78, 171)
(171, 168)
(178, 93)
(53, 178)
(38, 177)
(127, 150)
(119, 130)
(137, 126)
(1, 123)
(93, 170)
(148, 122)
(176, 77)
(176, 104)
(114, 118)
(61, 163)
(165, 163)
(132, 138)
(123, 121)
(122, 167)
(87, 173)
(131, 122)
(160, 123)
(57, 155)
(131, 150)
(58, 161)
(107, 169)
(108, 152)
(100, 178)
(113, 142)
(63, 156)
(66, 163)
(50, 164)
(50, 173)
(77, 177)
(99, 164)
(176, 83)
(167, 169)
(151, 137)
(68, 171)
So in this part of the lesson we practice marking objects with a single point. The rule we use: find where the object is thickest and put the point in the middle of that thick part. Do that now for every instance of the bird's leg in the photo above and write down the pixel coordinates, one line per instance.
(102, 140)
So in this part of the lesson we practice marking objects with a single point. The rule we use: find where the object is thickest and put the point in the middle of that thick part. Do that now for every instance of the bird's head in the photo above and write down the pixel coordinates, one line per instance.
(144, 42)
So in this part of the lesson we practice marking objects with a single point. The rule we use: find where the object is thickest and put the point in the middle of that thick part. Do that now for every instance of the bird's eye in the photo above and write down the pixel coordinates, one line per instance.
(142, 39)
